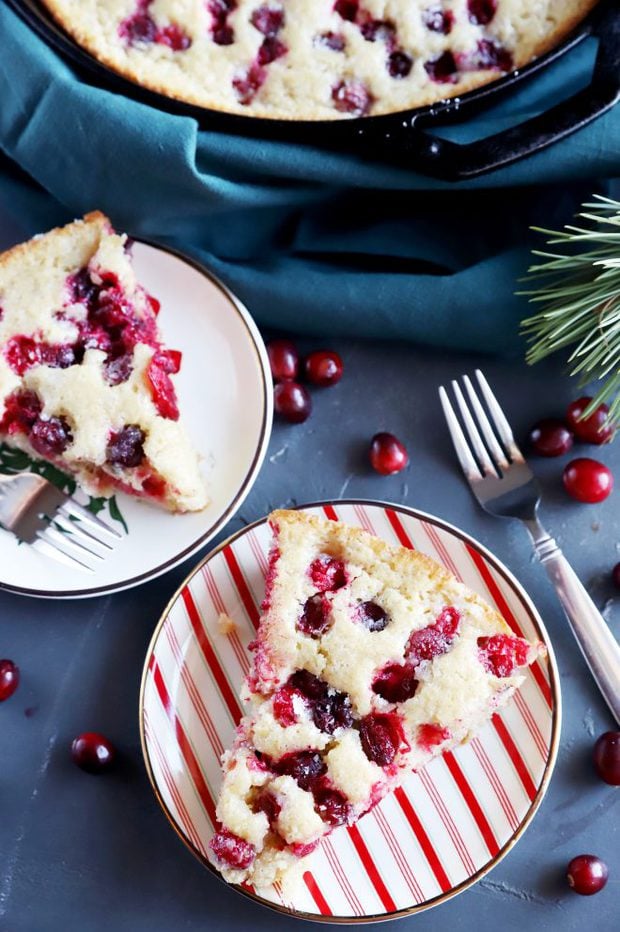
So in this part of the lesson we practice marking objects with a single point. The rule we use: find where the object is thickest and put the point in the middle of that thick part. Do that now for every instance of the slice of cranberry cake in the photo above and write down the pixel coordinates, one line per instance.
(316, 59)
(85, 381)
(370, 660)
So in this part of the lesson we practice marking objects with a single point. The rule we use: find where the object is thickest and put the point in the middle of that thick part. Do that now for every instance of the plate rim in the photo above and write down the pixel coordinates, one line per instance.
(556, 718)
(246, 486)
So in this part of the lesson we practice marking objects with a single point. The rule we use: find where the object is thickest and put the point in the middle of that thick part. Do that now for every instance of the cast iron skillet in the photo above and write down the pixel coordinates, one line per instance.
(399, 138)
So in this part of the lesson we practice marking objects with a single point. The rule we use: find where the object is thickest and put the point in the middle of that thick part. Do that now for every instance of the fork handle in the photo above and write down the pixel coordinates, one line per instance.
(597, 643)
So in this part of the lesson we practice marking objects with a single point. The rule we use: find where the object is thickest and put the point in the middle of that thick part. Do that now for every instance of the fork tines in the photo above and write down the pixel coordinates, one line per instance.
(491, 447)
(74, 535)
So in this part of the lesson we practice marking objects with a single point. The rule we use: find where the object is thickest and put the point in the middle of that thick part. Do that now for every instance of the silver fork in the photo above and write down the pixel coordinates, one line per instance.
(38, 513)
(505, 486)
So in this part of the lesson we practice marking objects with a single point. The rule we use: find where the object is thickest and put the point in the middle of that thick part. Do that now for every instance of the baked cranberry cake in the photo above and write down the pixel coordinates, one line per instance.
(85, 381)
(316, 59)
(370, 660)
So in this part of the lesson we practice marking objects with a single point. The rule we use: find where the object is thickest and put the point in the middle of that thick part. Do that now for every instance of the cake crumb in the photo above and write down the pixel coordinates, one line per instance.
(225, 624)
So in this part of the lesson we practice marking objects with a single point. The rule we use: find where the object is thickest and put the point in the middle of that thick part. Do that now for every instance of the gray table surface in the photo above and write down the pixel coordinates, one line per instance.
(96, 853)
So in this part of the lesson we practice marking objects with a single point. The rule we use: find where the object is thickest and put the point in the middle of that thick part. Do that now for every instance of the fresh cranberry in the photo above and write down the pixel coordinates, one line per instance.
(352, 97)
(174, 37)
(58, 356)
(607, 757)
(372, 616)
(381, 737)
(329, 708)
(328, 573)
(587, 874)
(154, 486)
(223, 34)
(82, 289)
(270, 50)
(331, 40)
(489, 55)
(315, 618)
(396, 683)
(139, 28)
(438, 20)
(379, 29)
(268, 20)
(169, 360)
(292, 402)
(347, 9)
(481, 12)
(615, 575)
(93, 752)
(21, 410)
(323, 367)
(283, 360)
(232, 851)
(306, 767)
(501, 653)
(435, 639)
(399, 64)
(429, 735)
(247, 84)
(387, 454)
(595, 428)
(267, 803)
(50, 437)
(442, 69)
(22, 353)
(550, 437)
(125, 447)
(332, 806)
(162, 390)
(308, 684)
(9, 679)
(117, 369)
(283, 706)
(587, 480)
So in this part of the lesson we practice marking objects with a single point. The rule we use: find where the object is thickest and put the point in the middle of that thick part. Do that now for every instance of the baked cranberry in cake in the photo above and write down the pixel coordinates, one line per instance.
(85, 380)
(369, 661)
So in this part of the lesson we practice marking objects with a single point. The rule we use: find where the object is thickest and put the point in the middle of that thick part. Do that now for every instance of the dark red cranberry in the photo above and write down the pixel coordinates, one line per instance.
(372, 616)
(438, 20)
(138, 29)
(587, 874)
(587, 480)
(593, 429)
(501, 653)
(329, 708)
(442, 69)
(283, 360)
(481, 12)
(352, 97)
(21, 410)
(387, 454)
(489, 55)
(268, 20)
(248, 84)
(154, 486)
(399, 64)
(82, 289)
(270, 49)
(430, 735)
(347, 9)
(162, 390)
(22, 353)
(331, 40)
(380, 30)
(57, 356)
(615, 575)
(607, 757)
(332, 806)
(283, 707)
(117, 369)
(223, 35)
(308, 684)
(9, 679)
(306, 767)
(328, 573)
(292, 401)
(396, 683)
(315, 618)
(93, 752)
(267, 803)
(126, 447)
(232, 851)
(169, 360)
(174, 37)
(550, 437)
(323, 367)
(435, 639)
(381, 737)
(50, 437)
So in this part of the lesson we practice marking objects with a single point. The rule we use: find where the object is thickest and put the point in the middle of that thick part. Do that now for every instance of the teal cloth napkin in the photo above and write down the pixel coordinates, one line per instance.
(312, 241)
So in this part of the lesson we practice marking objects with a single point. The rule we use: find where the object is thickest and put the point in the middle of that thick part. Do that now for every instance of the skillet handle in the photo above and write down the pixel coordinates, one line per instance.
(451, 161)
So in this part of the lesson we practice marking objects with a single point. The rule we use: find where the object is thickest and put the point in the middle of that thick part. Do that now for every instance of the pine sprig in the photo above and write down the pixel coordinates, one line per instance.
(579, 290)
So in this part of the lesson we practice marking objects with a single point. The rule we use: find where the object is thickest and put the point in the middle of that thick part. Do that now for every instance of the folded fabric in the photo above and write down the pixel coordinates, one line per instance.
(312, 241)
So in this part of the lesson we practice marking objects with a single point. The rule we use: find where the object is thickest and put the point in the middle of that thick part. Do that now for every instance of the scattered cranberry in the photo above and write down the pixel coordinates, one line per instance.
(268, 20)
(232, 851)
(615, 575)
(430, 735)
(550, 437)
(162, 390)
(592, 429)
(306, 767)
(481, 12)
(292, 402)
(381, 737)
(607, 757)
(501, 653)
(283, 706)
(323, 367)
(347, 9)
(50, 437)
(442, 69)
(488, 55)
(387, 454)
(267, 803)
(331, 40)
(587, 480)
(270, 49)
(435, 639)
(399, 64)
(332, 806)
(372, 616)
(328, 574)
(352, 97)
(125, 447)
(283, 359)
(93, 752)
(315, 618)
(329, 708)
(396, 683)
(9, 679)
(438, 20)
(587, 874)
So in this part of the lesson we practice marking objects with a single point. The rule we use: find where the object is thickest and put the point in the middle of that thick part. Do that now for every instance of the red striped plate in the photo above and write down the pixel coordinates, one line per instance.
(445, 827)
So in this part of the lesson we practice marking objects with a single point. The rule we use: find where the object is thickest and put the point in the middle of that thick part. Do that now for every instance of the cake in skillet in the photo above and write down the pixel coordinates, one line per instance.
(316, 59)
(370, 660)
(85, 380)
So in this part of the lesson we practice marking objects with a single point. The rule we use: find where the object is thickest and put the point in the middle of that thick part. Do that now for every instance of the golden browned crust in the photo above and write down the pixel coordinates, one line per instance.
(42, 240)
